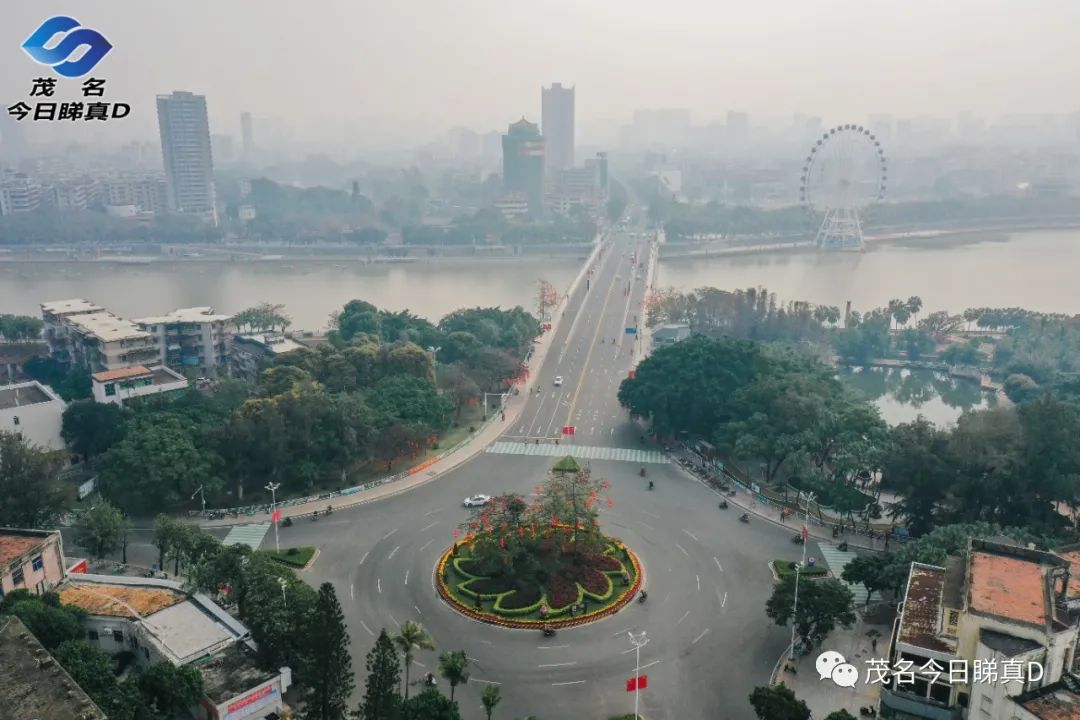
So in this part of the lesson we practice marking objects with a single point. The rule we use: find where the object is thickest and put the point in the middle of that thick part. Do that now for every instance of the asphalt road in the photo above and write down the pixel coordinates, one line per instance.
(709, 640)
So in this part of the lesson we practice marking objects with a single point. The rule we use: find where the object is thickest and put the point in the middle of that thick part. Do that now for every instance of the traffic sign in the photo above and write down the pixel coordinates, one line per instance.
(631, 331)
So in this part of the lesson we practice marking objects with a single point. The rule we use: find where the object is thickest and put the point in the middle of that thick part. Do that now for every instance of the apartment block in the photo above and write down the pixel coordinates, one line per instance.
(19, 194)
(194, 340)
(30, 559)
(146, 194)
(84, 334)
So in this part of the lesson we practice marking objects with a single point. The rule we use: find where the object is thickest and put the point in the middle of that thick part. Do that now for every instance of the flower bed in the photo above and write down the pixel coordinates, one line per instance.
(598, 585)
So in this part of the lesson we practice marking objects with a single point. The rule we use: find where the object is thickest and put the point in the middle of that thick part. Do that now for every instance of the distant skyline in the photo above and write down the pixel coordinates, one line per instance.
(401, 73)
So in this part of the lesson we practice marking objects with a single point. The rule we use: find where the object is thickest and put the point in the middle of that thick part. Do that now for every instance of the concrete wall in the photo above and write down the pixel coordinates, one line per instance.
(37, 581)
(38, 423)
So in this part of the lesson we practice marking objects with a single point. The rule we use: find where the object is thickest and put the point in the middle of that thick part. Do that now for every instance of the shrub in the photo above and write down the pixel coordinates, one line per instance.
(596, 583)
(561, 593)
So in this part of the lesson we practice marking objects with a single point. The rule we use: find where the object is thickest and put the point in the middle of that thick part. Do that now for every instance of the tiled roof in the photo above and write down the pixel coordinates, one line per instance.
(15, 546)
(922, 609)
(1008, 587)
(118, 600)
(1058, 701)
(120, 374)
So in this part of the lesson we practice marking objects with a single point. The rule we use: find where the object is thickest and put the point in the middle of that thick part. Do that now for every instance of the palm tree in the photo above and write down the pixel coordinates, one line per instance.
(411, 638)
(914, 305)
(490, 698)
(454, 666)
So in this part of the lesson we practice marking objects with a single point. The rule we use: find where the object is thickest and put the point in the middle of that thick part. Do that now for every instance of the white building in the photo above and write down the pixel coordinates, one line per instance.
(252, 350)
(84, 334)
(157, 621)
(186, 151)
(34, 412)
(116, 386)
(19, 194)
(193, 340)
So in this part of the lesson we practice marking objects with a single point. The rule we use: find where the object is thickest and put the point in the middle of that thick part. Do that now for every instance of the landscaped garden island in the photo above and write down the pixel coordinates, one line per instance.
(523, 564)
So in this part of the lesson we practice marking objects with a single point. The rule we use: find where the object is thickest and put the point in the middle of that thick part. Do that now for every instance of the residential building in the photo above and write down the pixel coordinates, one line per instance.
(73, 194)
(19, 194)
(1002, 604)
(669, 334)
(251, 351)
(116, 386)
(600, 167)
(193, 340)
(247, 134)
(523, 164)
(157, 621)
(33, 684)
(185, 148)
(81, 333)
(557, 125)
(57, 330)
(514, 206)
(147, 194)
(30, 559)
(33, 412)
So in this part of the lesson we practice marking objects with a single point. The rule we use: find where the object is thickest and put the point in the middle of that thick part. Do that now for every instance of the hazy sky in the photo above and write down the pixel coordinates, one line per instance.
(409, 69)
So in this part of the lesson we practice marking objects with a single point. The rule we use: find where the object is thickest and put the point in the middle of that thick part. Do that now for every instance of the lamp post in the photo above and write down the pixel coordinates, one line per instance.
(284, 584)
(502, 401)
(272, 487)
(639, 640)
(798, 569)
(202, 496)
(434, 353)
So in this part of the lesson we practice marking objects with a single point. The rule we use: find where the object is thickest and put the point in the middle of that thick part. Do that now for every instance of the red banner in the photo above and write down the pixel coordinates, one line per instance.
(276, 515)
(253, 697)
(637, 683)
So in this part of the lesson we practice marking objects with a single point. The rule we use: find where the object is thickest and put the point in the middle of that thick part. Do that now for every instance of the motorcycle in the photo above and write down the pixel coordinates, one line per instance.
(642, 597)
(651, 485)
(745, 517)
(642, 472)
(430, 680)
(287, 522)
(548, 631)
(797, 539)
(329, 509)
(723, 505)
(315, 516)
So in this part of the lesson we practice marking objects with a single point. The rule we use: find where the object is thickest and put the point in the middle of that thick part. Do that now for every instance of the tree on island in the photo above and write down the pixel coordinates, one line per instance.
(411, 638)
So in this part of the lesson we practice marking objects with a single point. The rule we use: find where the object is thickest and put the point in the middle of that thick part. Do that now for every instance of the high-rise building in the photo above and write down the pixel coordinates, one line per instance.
(247, 134)
(192, 340)
(523, 164)
(222, 147)
(557, 124)
(185, 148)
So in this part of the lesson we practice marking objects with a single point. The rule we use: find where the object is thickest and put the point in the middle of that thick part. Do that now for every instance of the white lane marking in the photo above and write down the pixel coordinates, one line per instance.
(683, 550)
(389, 533)
(486, 682)
(718, 565)
(432, 512)
(551, 647)
(692, 537)
(417, 662)
(363, 559)
(395, 620)
(572, 682)
(364, 625)
(646, 524)
(352, 594)
(378, 585)
(652, 514)
(697, 577)
(428, 527)
(424, 546)
(417, 610)
(407, 579)
(654, 662)
(392, 552)
(624, 652)
(703, 634)
(486, 642)
(622, 632)
(685, 615)
(724, 601)
(565, 664)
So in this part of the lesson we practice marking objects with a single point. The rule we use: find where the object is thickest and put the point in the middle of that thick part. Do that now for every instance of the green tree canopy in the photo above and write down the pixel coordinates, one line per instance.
(381, 699)
(31, 495)
(823, 604)
(329, 678)
(778, 702)
(90, 428)
(100, 529)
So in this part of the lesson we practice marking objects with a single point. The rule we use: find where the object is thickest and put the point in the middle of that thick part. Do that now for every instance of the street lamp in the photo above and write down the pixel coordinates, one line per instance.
(202, 496)
(272, 487)
(798, 569)
(639, 640)
(284, 584)
(434, 352)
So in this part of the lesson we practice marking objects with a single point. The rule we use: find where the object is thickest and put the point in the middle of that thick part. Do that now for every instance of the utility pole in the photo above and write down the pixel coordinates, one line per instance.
(202, 496)
(272, 487)
(798, 569)
(639, 642)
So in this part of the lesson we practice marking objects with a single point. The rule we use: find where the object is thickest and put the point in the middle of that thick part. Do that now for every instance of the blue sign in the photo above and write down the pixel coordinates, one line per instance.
(631, 331)
(74, 38)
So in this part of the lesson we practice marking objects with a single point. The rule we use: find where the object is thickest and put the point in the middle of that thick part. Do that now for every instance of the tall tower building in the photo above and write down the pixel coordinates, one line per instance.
(523, 164)
(557, 124)
(185, 148)
(247, 134)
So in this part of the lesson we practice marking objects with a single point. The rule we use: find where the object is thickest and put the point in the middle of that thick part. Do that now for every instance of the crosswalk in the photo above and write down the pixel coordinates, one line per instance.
(581, 452)
(837, 560)
(250, 535)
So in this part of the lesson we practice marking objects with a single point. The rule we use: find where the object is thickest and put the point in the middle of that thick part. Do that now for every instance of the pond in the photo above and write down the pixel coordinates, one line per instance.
(902, 394)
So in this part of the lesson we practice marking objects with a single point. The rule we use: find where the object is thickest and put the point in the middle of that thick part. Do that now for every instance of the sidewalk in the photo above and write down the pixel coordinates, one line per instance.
(468, 449)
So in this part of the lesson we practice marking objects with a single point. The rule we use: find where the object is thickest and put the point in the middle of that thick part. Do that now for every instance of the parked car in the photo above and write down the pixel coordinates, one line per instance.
(557, 382)
(477, 501)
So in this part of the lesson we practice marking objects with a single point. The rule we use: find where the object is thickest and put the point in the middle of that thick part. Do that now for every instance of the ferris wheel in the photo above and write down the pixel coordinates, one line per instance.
(843, 175)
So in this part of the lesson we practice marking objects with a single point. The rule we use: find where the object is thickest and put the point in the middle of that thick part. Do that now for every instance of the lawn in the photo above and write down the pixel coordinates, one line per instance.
(783, 569)
(296, 557)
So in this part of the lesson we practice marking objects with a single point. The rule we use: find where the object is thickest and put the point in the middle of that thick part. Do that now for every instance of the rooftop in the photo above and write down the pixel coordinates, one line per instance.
(187, 631)
(231, 672)
(1008, 587)
(121, 374)
(1057, 701)
(118, 600)
(920, 619)
(108, 327)
(184, 315)
(1009, 645)
(275, 343)
(1073, 556)
(14, 543)
(33, 685)
(23, 394)
(66, 307)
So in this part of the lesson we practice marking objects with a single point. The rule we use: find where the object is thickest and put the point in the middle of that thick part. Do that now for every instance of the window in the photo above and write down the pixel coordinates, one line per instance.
(118, 636)
(954, 617)
(17, 576)
(37, 563)
(92, 635)
(110, 389)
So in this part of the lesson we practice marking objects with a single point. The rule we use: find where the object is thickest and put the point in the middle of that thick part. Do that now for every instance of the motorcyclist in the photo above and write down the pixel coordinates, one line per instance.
(643, 597)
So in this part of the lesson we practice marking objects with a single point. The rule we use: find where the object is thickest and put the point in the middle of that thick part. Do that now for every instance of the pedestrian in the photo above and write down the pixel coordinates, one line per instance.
(873, 644)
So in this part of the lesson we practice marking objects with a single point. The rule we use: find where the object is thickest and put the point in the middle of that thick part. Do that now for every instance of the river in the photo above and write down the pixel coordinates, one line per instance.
(310, 290)
(1033, 269)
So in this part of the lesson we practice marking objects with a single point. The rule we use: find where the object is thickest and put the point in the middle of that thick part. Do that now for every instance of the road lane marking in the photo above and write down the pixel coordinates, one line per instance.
(428, 527)
(551, 647)
(652, 514)
(432, 512)
(486, 682)
(588, 355)
(718, 565)
(551, 665)
(724, 601)
(378, 585)
(407, 579)
(696, 577)
(391, 555)
(683, 549)
(692, 537)
(572, 682)
(363, 559)
(646, 524)
(703, 634)
(352, 595)
(395, 620)
(364, 625)
(685, 615)
(417, 610)
(389, 533)
(424, 546)
(654, 662)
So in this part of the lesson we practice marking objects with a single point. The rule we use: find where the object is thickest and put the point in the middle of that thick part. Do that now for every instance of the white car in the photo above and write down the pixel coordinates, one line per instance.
(477, 501)
(557, 382)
